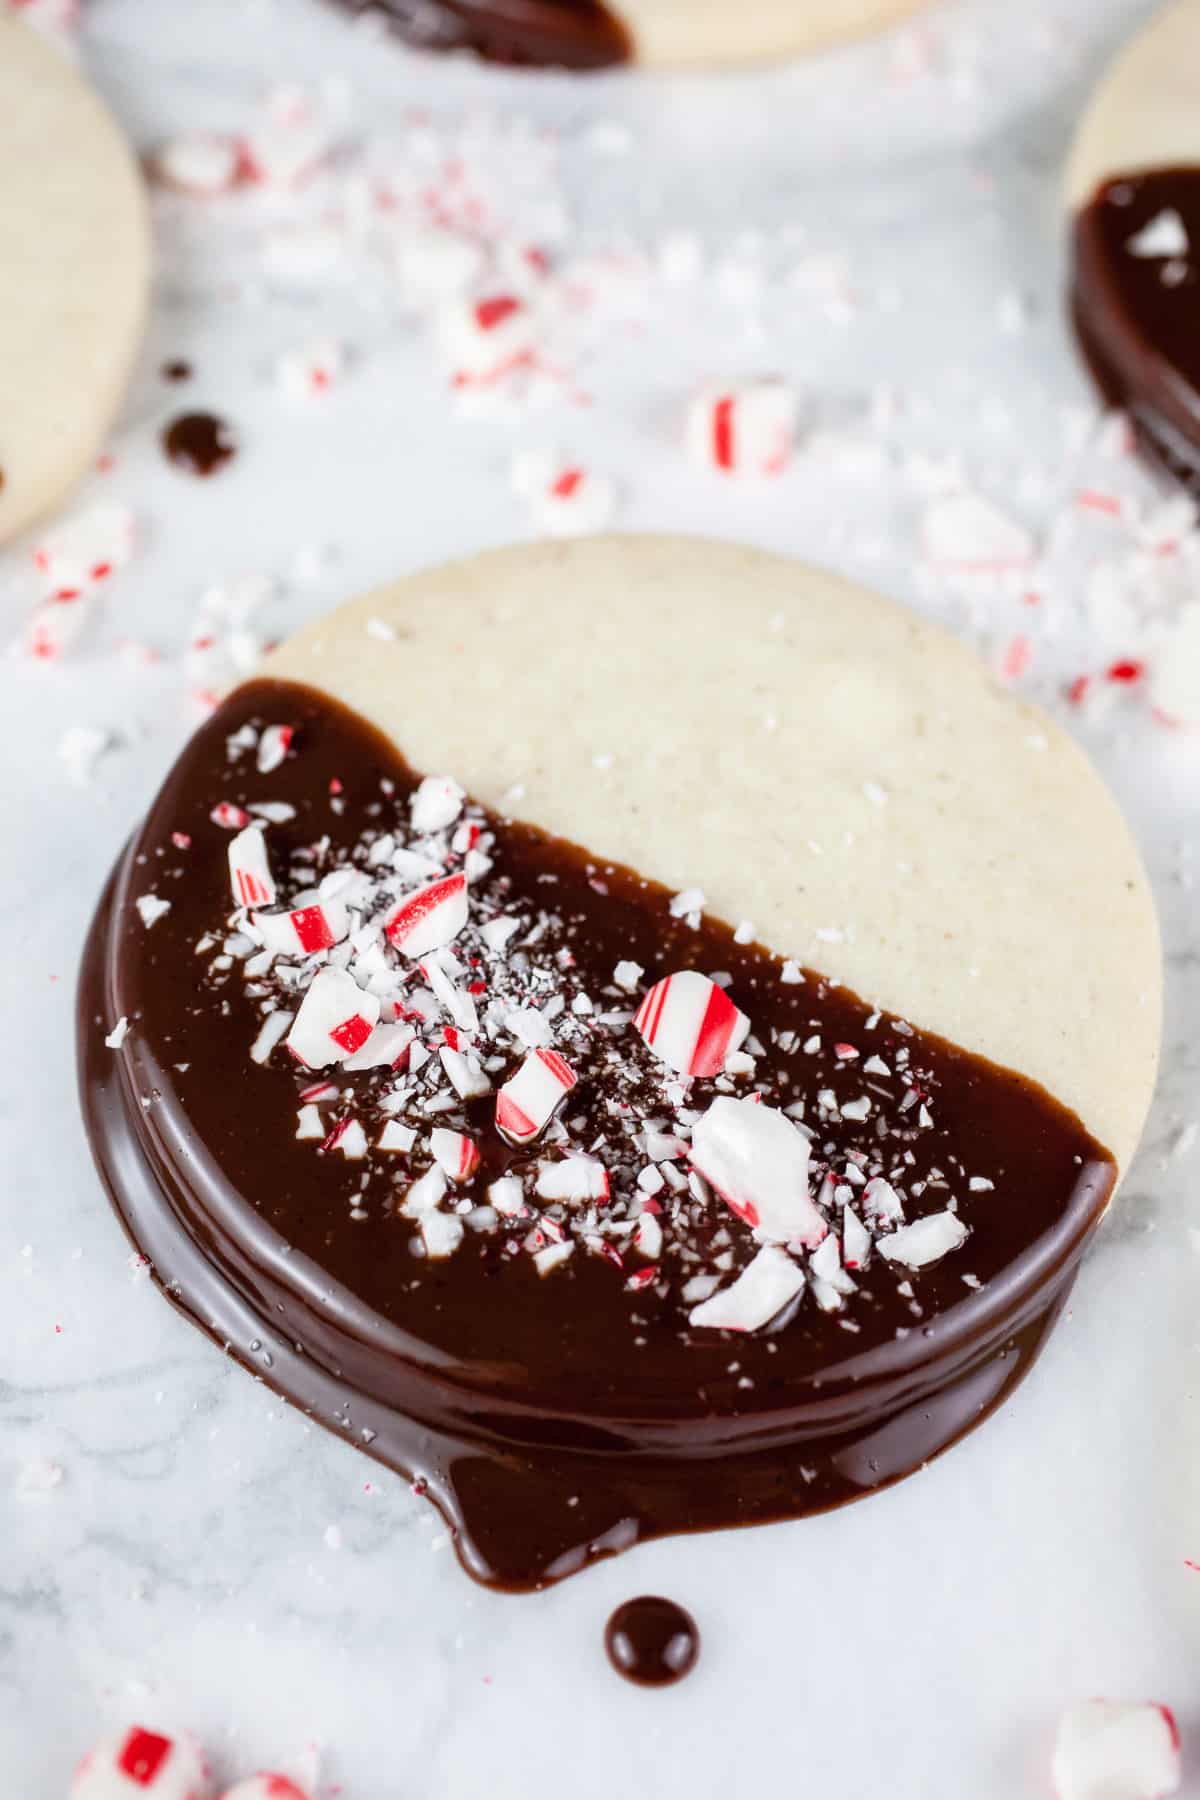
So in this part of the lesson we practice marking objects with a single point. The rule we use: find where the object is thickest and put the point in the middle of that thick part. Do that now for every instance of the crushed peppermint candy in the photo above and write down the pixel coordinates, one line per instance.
(1116, 1750)
(493, 1076)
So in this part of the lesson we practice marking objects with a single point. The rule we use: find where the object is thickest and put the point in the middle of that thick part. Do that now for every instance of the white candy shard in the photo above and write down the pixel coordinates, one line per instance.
(966, 532)
(881, 1202)
(1116, 1750)
(395, 1136)
(250, 870)
(425, 1195)
(118, 1034)
(691, 1023)
(151, 909)
(432, 916)
(757, 1161)
(507, 1196)
(142, 1762)
(745, 429)
(436, 803)
(307, 929)
(924, 1241)
(457, 1153)
(443, 1233)
(273, 747)
(466, 1077)
(198, 162)
(856, 1240)
(529, 1099)
(574, 1178)
(335, 1019)
(1164, 235)
(763, 1289)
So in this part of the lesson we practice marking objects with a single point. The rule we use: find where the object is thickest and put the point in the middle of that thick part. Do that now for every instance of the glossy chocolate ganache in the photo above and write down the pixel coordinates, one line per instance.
(1135, 299)
(566, 34)
(559, 1330)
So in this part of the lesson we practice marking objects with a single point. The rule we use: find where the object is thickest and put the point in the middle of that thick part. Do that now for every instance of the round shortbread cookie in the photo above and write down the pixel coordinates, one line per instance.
(814, 758)
(1145, 114)
(74, 226)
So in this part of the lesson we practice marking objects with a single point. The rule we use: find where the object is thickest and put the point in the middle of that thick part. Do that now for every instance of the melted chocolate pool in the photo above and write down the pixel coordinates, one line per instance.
(562, 1416)
(652, 1641)
(199, 442)
(1136, 315)
(567, 34)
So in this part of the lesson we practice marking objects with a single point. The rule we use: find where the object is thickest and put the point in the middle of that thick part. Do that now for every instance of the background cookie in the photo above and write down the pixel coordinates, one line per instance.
(76, 256)
(1145, 114)
(593, 33)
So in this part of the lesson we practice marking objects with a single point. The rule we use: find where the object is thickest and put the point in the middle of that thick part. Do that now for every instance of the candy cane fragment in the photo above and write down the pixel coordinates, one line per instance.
(528, 1101)
(691, 1023)
(335, 1019)
(249, 870)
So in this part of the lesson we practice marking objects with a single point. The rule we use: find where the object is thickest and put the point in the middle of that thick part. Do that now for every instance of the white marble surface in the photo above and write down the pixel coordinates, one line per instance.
(207, 1557)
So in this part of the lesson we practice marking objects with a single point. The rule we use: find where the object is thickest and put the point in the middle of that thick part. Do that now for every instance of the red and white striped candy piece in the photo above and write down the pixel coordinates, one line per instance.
(335, 1019)
(266, 1787)
(691, 1023)
(273, 747)
(54, 624)
(1116, 1750)
(432, 916)
(250, 870)
(565, 498)
(386, 1048)
(762, 1290)
(757, 1160)
(529, 1100)
(457, 1153)
(305, 930)
(747, 429)
(143, 1765)
(485, 338)
(86, 549)
(228, 816)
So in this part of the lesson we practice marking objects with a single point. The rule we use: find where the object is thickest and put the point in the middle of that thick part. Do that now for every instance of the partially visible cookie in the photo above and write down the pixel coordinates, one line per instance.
(1133, 189)
(588, 34)
(74, 239)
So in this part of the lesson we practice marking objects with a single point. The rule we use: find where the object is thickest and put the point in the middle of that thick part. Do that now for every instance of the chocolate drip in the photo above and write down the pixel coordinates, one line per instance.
(1135, 315)
(652, 1641)
(199, 442)
(552, 1420)
(566, 34)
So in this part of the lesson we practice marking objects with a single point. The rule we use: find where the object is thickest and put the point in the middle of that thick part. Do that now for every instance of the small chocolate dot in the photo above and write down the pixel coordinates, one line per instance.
(652, 1641)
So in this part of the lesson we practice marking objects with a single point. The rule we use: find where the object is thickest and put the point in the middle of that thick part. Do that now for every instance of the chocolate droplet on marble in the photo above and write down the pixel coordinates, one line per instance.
(652, 1641)
(199, 442)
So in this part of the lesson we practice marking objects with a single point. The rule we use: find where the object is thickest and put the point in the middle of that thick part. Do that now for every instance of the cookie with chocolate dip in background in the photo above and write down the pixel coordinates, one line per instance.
(1133, 192)
(595, 34)
(636, 1036)
(75, 230)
